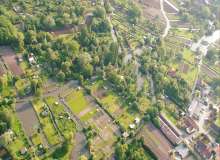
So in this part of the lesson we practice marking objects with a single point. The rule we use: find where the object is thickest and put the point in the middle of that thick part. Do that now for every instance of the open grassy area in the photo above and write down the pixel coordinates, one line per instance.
(188, 55)
(88, 115)
(183, 33)
(46, 123)
(190, 76)
(77, 101)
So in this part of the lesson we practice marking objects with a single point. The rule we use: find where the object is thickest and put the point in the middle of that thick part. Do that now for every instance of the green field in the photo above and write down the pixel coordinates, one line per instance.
(183, 33)
(188, 55)
(77, 101)
(88, 115)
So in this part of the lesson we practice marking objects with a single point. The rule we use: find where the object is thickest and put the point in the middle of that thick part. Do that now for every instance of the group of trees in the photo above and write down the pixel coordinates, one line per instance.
(132, 151)
(9, 35)
(156, 63)
(199, 14)
(4, 122)
(133, 14)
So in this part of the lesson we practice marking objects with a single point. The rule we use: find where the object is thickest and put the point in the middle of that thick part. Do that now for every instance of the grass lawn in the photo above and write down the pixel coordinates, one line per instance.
(88, 115)
(173, 17)
(47, 125)
(77, 101)
(190, 75)
(183, 33)
(110, 103)
(170, 117)
(36, 139)
(188, 55)
(66, 126)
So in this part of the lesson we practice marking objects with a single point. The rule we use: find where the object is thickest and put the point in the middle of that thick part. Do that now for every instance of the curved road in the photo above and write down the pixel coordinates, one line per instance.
(168, 26)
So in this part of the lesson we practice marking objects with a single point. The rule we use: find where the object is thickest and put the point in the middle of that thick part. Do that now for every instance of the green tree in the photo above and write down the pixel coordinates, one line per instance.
(133, 14)
(99, 12)
(48, 22)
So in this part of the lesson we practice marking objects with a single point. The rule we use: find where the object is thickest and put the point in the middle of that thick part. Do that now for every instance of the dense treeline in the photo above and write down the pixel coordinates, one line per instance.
(133, 151)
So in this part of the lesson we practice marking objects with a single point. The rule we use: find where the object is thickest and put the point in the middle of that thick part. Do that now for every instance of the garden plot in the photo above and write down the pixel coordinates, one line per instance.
(85, 108)
(151, 9)
(114, 105)
(107, 134)
(14, 140)
(10, 60)
(46, 122)
(63, 121)
(186, 71)
(28, 117)
(185, 67)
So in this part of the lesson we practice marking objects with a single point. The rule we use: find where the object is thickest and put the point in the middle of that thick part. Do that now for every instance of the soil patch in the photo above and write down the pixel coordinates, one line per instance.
(28, 117)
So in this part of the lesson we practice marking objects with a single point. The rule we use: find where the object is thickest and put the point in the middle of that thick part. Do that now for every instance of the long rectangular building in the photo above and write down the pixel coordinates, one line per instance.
(169, 131)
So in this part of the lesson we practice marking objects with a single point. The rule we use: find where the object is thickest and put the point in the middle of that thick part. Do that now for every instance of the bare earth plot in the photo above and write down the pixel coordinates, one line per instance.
(10, 60)
(151, 10)
(28, 117)
(79, 148)
(156, 141)
(90, 114)
(30, 123)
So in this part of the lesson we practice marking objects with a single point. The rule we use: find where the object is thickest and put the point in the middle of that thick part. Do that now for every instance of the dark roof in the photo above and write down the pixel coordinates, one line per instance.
(203, 150)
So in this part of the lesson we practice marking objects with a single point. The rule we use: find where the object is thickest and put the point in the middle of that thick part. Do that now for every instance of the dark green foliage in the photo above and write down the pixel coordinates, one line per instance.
(133, 151)
(9, 34)
(99, 12)
(4, 123)
(133, 14)
(100, 26)
(61, 151)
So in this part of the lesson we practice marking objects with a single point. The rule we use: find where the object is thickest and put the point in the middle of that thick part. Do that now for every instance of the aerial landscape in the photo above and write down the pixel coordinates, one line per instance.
(109, 79)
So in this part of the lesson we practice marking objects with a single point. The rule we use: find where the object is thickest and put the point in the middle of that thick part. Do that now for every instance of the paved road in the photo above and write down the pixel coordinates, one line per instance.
(168, 26)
